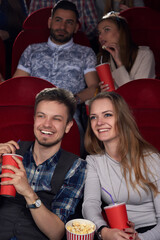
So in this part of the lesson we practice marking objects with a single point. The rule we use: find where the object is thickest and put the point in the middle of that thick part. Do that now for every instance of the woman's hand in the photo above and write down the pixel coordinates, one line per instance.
(8, 147)
(116, 234)
(103, 87)
(114, 50)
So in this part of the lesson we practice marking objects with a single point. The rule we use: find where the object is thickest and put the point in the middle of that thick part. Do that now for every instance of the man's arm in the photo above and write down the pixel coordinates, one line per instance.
(20, 73)
(48, 222)
(92, 82)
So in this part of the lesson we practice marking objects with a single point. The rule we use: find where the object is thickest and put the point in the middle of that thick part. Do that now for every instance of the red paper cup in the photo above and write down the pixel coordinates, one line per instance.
(8, 190)
(105, 75)
(87, 107)
(77, 236)
(117, 216)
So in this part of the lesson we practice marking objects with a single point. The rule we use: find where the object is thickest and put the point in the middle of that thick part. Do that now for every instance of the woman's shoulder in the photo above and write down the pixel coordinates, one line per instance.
(95, 158)
(145, 52)
(144, 49)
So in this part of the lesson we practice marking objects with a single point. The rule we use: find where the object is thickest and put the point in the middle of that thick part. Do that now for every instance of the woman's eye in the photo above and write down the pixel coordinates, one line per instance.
(106, 29)
(92, 118)
(108, 115)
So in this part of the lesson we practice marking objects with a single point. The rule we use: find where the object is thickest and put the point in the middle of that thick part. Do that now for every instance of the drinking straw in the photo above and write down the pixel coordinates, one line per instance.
(109, 195)
(18, 140)
(101, 59)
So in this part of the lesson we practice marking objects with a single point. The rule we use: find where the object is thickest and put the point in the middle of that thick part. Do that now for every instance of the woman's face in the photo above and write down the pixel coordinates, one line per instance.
(108, 33)
(103, 121)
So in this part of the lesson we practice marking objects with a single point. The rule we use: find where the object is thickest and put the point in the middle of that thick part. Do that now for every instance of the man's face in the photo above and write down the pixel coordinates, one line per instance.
(50, 123)
(62, 26)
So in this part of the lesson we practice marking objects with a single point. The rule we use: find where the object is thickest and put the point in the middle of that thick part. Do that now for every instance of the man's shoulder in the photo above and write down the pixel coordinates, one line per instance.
(66, 154)
(35, 46)
(82, 48)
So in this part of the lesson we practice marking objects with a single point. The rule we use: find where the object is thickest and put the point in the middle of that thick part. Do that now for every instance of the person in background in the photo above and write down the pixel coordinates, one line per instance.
(45, 199)
(125, 165)
(12, 15)
(127, 60)
(106, 6)
(121, 5)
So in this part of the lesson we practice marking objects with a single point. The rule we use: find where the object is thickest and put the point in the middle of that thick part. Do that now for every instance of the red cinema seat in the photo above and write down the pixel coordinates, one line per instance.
(143, 97)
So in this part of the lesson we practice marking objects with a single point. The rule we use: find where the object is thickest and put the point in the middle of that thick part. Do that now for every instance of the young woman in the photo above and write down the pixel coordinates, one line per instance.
(127, 60)
(125, 165)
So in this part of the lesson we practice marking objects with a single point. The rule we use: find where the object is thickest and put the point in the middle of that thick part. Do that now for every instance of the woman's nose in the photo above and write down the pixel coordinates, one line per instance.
(99, 121)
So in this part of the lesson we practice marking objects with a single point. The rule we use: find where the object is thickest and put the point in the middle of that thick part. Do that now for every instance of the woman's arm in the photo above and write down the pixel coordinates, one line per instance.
(143, 67)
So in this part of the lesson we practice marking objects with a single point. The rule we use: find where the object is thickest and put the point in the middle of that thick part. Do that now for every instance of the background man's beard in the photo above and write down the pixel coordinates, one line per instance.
(60, 39)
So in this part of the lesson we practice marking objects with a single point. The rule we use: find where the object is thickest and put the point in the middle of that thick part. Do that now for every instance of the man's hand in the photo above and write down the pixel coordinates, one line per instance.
(18, 178)
(8, 147)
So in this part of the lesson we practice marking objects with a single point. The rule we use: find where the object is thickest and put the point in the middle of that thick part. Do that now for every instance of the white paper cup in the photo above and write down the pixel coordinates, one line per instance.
(76, 236)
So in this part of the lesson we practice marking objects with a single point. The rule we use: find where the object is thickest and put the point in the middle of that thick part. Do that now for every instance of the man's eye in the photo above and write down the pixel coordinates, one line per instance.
(40, 116)
(70, 22)
(57, 119)
(57, 19)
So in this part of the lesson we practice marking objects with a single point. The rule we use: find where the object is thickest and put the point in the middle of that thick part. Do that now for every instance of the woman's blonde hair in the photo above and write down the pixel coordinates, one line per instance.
(128, 49)
(132, 147)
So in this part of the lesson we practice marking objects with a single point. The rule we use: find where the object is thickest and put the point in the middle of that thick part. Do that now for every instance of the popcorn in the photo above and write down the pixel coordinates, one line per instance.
(81, 227)
(104, 47)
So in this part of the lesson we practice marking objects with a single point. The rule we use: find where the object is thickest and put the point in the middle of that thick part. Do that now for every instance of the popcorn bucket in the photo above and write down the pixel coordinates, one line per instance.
(80, 229)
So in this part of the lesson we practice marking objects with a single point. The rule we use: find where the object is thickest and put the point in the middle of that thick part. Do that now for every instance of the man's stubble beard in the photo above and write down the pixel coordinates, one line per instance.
(59, 39)
(51, 144)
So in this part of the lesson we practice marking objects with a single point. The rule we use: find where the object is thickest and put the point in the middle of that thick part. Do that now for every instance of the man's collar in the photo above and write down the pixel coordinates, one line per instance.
(63, 46)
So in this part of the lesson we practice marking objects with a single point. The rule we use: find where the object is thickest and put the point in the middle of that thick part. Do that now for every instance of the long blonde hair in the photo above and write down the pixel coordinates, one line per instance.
(133, 149)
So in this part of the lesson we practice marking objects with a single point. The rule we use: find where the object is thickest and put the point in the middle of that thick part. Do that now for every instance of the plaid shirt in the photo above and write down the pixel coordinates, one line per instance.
(86, 8)
(39, 178)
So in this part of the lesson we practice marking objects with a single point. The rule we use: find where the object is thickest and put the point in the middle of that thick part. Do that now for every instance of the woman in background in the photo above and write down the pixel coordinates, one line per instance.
(124, 164)
(127, 60)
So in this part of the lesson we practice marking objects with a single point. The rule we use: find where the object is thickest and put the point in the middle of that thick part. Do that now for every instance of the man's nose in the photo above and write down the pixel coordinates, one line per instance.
(63, 25)
(47, 122)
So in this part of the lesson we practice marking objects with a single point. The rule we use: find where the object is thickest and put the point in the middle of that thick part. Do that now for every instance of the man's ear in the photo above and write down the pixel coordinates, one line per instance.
(77, 27)
(49, 22)
(68, 126)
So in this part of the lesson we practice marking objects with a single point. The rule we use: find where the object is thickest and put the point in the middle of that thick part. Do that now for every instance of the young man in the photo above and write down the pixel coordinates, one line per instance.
(60, 61)
(87, 13)
(49, 181)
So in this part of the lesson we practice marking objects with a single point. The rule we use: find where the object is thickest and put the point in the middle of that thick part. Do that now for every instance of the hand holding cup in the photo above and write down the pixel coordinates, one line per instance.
(105, 75)
(8, 166)
(8, 147)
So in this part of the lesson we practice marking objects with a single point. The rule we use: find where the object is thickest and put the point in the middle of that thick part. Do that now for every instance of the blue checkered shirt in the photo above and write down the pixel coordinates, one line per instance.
(39, 178)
